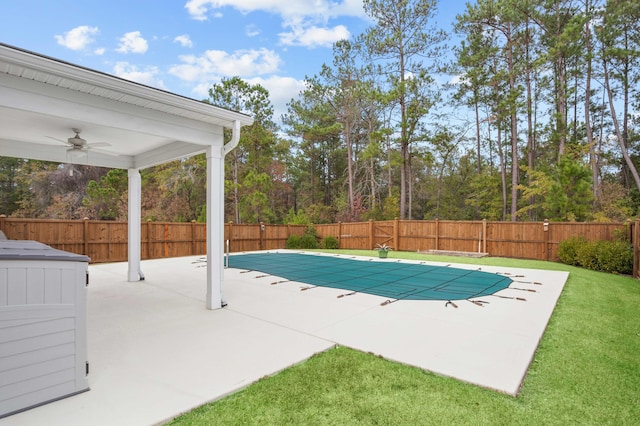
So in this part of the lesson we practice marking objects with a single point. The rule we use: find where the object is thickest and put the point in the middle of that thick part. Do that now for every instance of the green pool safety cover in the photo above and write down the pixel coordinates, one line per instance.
(392, 279)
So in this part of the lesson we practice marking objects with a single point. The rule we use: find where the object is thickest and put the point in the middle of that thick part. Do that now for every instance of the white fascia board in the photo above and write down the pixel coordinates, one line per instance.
(36, 97)
(91, 77)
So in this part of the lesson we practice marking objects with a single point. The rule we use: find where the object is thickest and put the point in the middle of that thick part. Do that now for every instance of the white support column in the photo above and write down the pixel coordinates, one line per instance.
(215, 227)
(134, 218)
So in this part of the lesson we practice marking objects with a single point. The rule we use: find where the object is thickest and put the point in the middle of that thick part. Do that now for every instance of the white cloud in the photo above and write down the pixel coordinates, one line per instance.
(99, 51)
(214, 64)
(306, 21)
(78, 38)
(281, 91)
(318, 9)
(133, 42)
(184, 40)
(148, 76)
(251, 30)
(314, 36)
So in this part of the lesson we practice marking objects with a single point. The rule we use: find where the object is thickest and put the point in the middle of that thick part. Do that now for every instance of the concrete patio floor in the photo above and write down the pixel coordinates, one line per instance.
(156, 352)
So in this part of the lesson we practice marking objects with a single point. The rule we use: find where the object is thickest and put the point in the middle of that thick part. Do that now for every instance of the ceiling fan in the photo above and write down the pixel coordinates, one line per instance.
(78, 147)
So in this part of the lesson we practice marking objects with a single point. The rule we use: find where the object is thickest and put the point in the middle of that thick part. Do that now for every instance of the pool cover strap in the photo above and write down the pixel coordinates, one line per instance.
(394, 280)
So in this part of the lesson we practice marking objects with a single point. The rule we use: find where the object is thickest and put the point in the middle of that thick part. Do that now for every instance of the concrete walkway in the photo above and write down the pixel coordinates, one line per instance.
(155, 351)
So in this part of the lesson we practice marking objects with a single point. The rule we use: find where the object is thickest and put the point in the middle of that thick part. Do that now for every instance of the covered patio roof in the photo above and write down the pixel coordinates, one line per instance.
(55, 111)
(42, 99)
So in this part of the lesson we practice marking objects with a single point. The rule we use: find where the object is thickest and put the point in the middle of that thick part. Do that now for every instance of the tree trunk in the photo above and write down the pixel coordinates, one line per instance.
(347, 137)
(561, 88)
(531, 148)
(616, 124)
(478, 145)
(595, 173)
(503, 173)
(515, 173)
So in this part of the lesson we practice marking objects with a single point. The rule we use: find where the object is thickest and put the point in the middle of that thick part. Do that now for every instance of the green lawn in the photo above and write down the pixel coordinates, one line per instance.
(586, 371)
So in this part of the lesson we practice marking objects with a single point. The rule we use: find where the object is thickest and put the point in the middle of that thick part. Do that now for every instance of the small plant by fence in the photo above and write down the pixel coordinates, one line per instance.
(106, 241)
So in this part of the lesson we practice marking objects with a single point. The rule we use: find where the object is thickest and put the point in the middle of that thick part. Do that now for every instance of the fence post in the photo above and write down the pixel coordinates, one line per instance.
(396, 234)
(166, 240)
(371, 239)
(148, 239)
(2, 220)
(339, 235)
(193, 237)
(546, 238)
(437, 233)
(262, 231)
(85, 235)
(484, 235)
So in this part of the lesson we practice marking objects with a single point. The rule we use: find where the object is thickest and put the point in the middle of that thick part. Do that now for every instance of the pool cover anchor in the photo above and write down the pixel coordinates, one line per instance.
(527, 282)
(279, 282)
(480, 303)
(522, 299)
(449, 302)
(524, 289)
(508, 274)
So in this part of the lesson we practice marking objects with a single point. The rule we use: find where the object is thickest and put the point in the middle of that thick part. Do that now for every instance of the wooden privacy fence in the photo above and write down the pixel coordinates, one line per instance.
(524, 240)
(106, 241)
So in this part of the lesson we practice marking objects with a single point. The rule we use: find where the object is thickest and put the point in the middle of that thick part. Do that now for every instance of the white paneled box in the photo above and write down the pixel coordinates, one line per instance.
(43, 325)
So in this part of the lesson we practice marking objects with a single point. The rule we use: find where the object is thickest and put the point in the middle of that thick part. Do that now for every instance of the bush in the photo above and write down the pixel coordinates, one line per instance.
(614, 257)
(308, 241)
(293, 242)
(330, 242)
(311, 231)
(568, 250)
(606, 256)
(586, 256)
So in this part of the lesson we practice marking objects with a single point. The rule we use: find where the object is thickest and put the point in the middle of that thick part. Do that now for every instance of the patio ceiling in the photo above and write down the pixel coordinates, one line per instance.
(42, 99)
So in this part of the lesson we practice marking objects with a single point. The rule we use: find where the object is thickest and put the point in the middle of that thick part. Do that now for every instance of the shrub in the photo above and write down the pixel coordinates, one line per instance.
(607, 256)
(586, 256)
(614, 257)
(568, 250)
(308, 241)
(293, 242)
(330, 242)
(311, 231)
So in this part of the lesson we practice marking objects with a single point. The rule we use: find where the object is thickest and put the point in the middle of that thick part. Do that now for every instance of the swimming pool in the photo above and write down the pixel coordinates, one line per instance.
(390, 278)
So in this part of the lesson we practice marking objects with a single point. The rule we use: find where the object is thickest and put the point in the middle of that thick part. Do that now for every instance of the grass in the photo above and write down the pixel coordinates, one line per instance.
(586, 371)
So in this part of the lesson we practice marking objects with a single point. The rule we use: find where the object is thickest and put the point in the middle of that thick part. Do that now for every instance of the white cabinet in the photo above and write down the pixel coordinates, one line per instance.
(43, 325)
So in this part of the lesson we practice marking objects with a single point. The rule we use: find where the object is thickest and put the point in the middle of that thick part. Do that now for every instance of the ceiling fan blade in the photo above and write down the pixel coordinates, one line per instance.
(59, 140)
(97, 144)
(104, 151)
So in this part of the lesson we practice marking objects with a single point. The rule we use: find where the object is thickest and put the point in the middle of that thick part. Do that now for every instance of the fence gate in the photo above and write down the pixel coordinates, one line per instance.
(383, 234)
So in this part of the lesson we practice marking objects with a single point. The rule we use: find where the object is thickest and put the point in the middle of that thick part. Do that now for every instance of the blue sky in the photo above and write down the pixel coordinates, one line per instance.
(185, 46)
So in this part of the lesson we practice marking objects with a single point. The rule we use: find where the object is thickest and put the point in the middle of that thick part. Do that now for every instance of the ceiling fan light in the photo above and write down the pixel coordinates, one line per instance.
(76, 156)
